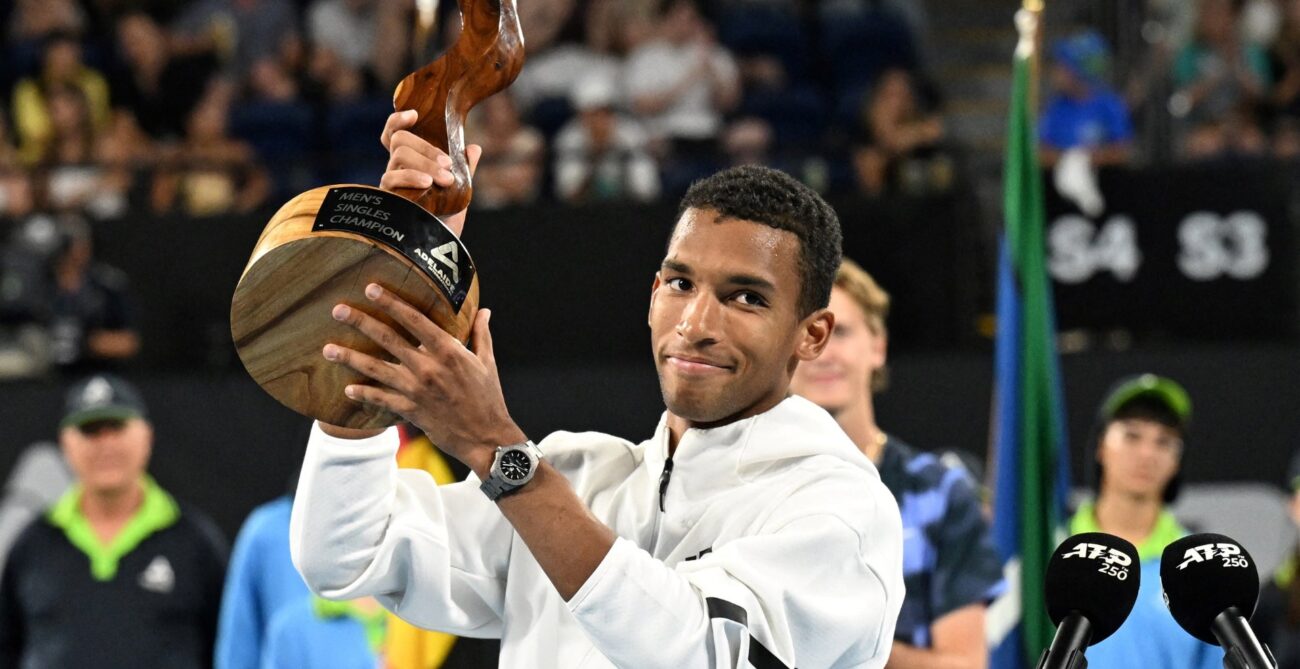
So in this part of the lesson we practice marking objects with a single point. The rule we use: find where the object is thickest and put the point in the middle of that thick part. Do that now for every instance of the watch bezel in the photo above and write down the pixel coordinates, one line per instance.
(498, 484)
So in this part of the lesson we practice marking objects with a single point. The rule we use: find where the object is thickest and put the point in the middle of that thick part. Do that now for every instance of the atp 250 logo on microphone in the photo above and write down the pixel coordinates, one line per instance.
(1114, 563)
(1229, 553)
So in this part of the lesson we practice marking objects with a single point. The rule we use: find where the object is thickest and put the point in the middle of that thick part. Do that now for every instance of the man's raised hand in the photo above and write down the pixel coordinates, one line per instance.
(415, 163)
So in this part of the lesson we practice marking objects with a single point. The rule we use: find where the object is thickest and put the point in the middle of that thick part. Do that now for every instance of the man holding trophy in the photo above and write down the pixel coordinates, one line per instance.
(748, 531)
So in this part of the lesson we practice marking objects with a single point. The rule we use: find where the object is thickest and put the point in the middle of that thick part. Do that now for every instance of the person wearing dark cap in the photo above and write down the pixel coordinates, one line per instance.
(1277, 618)
(116, 573)
(1141, 428)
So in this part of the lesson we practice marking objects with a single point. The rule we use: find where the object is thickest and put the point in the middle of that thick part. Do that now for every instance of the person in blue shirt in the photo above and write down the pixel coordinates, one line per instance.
(1142, 424)
(1083, 112)
(950, 568)
(316, 633)
(269, 619)
(260, 581)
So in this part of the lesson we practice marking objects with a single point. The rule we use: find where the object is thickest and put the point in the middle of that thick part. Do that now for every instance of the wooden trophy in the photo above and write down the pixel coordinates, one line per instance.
(323, 246)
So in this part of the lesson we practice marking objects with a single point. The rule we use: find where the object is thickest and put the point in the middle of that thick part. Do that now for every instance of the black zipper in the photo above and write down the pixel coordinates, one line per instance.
(663, 480)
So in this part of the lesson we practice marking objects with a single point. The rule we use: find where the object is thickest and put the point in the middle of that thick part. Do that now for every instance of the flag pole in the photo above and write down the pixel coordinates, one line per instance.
(1029, 24)
(426, 18)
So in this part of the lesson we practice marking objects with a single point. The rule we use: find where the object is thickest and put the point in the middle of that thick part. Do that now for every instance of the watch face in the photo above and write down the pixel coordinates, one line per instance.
(515, 465)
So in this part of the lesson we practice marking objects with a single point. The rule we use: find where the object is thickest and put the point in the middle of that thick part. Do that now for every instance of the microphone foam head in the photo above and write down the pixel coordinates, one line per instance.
(1097, 575)
(1203, 575)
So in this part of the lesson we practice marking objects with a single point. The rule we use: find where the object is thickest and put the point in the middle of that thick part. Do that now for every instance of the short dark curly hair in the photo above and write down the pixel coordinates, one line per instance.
(776, 199)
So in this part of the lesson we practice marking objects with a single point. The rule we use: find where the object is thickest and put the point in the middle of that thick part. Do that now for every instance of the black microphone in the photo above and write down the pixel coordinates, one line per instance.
(1211, 587)
(1092, 582)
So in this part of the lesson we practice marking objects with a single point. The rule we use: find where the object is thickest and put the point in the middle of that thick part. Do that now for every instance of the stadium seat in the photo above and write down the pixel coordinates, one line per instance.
(762, 29)
(797, 114)
(281, 133)
(858, 46)
(352, 132)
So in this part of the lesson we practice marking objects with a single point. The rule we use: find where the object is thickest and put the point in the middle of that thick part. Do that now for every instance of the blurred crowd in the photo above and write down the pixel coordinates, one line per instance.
(1216, 80)
(209, 107)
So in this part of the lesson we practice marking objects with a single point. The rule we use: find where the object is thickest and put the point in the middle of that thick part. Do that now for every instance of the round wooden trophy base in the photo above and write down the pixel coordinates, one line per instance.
(321, 249)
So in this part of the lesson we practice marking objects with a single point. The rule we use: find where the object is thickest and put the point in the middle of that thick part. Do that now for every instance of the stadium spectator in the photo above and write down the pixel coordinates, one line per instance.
(1277, 618)
(210, 173)
(62, 66)
(1284, 61)
(24, 302)
(89, 316)
(1286, 138)
(951, 570)
(682, 83)
(34, 20)
(329, 79)
(117, 573)
(635, 21)
(1141, 428)
(899, 139)
(243, 32)
(513, 175)
(391, 58)
(748, 141)
(80, 169)
(1083, 111)
(343, 49)
(548, 23)
(589, 45)
(271, 81)
(1237, 135)
(15, 184)
(601, 154)
(1220, 78)
(346, 27)
(156, 88)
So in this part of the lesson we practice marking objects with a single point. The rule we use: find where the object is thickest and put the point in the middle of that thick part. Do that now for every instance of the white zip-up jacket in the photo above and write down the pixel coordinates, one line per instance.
(772, 544)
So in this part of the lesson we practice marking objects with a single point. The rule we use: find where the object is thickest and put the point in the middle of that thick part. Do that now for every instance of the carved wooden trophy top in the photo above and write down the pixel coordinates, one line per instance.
(484, 60)
(323, 247)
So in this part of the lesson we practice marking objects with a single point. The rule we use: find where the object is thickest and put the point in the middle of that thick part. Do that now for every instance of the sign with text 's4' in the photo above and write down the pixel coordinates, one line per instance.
(1189, 252)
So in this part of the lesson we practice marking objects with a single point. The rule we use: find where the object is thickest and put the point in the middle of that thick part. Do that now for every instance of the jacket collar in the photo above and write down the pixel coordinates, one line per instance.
(793, 429)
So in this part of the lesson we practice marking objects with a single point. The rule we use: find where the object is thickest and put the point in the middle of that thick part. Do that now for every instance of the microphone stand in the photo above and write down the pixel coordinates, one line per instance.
(1241, 650)
(1066, 651)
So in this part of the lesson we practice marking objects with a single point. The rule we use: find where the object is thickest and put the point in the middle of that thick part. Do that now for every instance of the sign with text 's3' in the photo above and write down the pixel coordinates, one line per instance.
(1189, 252)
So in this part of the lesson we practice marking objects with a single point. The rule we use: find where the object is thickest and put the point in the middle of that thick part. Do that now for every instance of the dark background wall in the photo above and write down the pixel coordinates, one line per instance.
(564, 283)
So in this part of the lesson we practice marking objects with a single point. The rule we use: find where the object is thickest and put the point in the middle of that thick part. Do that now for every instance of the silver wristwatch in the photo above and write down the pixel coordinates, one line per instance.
(512, 468)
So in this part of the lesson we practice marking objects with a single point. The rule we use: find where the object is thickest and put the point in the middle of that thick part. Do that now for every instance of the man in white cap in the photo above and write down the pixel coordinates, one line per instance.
(602, 154)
